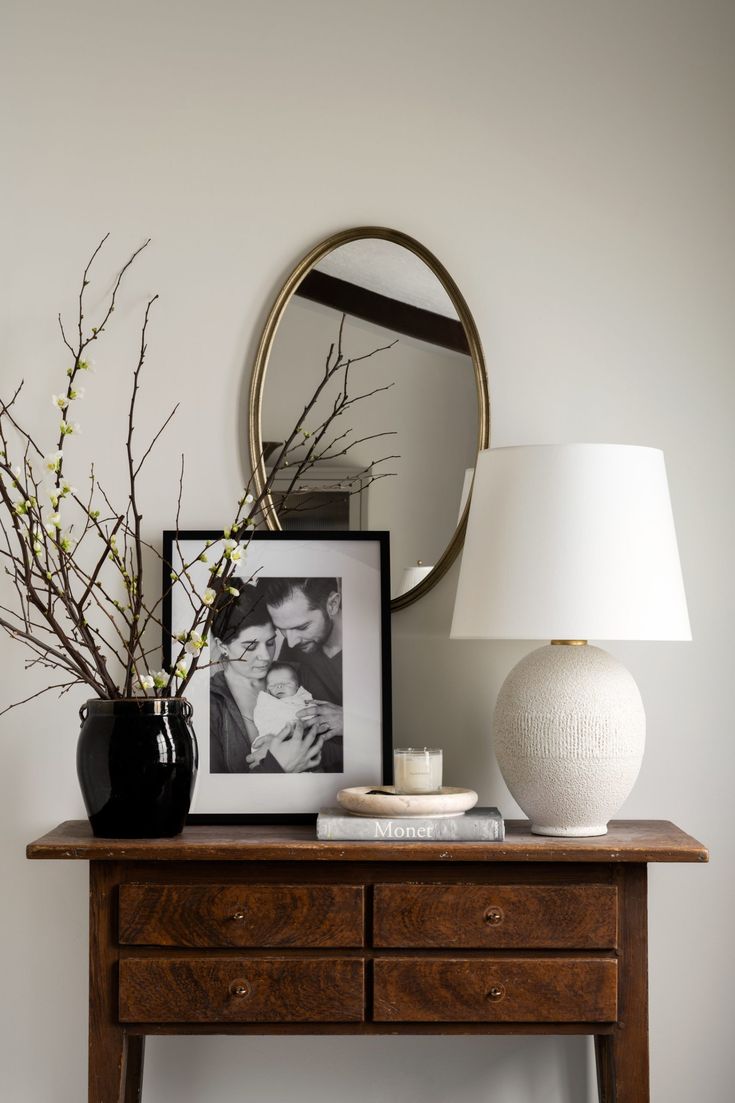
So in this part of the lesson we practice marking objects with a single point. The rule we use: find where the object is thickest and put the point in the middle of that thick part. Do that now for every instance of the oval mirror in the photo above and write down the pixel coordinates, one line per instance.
(373, 309)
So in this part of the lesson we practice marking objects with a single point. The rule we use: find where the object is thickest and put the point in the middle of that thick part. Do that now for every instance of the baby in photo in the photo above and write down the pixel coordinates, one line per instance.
(278, 705)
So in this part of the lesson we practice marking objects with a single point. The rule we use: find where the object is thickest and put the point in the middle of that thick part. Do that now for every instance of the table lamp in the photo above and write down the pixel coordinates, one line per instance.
(568, 543)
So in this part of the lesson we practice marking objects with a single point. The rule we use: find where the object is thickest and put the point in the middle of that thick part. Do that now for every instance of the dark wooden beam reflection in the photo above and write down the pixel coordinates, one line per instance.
(381, 310)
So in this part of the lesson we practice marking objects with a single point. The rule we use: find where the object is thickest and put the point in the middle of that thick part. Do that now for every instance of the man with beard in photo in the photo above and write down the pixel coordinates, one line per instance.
(308, 614)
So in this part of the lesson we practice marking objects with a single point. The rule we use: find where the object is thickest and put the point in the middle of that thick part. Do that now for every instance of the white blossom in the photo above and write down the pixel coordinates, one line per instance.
(160, 679)
(52, 523)
(232, 551)
(76, 393)
(182, 667)
(194, 644)
(208, 596)
(60, 401)
(70, 428)
(145, 681)
(52, 461)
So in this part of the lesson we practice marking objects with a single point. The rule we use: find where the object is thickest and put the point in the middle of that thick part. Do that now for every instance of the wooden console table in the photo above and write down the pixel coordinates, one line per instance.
(265, 930)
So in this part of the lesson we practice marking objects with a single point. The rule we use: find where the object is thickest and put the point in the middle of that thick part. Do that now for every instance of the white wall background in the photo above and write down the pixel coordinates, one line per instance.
(572, 165)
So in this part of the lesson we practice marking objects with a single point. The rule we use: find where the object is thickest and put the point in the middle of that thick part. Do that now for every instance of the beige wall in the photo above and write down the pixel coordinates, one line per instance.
(572, 165)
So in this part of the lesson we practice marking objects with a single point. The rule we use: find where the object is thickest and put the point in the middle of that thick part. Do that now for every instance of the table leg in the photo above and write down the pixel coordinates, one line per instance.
(622, 1057)
(134, 1069)
(115, 1058)
(115, 1066)
(605, 1068)
(116, 1069)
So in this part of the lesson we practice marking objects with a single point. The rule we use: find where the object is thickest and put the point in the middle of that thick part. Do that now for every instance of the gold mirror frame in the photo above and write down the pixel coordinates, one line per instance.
(257, 382)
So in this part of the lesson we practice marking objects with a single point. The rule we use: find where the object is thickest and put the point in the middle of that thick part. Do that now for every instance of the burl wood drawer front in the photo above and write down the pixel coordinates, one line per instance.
(577, 917)
(502, 990)
(241, 915)
(241, 990)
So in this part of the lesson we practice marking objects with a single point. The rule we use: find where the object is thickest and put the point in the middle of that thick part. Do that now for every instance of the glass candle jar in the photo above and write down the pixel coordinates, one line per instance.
(417, 769)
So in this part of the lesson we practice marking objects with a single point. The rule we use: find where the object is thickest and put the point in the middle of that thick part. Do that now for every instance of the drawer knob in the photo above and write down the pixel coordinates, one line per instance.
(493, 916)
(239, 917)
(496, 992)
(240, 988)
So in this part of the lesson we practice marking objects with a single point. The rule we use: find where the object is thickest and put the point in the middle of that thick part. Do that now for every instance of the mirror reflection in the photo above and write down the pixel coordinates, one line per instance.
(398, 457)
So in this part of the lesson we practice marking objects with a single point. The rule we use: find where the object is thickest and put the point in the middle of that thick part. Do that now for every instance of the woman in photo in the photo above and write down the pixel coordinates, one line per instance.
(245, 638)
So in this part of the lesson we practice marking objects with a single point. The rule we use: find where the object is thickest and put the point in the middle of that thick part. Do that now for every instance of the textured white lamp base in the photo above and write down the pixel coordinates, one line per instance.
(569, 731)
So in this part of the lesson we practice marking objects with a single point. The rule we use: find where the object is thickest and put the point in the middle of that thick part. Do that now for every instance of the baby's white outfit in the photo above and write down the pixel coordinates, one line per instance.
(271, 714)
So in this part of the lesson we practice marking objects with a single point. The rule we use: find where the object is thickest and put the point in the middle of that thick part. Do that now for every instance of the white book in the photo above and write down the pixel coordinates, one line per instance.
(480, 825)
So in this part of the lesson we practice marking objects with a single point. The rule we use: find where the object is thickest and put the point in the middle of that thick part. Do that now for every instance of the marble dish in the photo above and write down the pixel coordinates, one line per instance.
(383, 800)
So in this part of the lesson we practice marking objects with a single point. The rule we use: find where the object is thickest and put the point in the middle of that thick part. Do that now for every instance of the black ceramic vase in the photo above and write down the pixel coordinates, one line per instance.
(137, 763)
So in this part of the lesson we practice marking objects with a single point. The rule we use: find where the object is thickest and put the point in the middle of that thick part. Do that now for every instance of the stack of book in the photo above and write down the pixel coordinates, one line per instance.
(480, 825)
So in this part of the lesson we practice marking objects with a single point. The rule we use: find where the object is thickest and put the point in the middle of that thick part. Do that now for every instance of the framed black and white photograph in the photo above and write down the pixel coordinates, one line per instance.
(292, 695)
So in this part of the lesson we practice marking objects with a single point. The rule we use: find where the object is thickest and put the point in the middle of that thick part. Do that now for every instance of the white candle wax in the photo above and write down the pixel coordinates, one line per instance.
(417, 770)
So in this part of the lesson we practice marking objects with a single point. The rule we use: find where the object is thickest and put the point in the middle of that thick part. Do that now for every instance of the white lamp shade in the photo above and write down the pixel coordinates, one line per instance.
(571, 541)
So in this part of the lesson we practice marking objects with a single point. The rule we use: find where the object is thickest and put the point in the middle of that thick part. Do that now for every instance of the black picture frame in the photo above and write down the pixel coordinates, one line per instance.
(368, 562)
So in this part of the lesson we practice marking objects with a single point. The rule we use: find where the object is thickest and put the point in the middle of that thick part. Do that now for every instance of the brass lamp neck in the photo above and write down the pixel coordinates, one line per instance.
(570, 643)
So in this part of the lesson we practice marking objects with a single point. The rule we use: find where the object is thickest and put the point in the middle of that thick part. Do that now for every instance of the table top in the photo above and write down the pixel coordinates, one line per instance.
(625, 841)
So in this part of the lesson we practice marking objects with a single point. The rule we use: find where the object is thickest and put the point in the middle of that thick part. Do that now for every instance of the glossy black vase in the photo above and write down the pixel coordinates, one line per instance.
(137, 763)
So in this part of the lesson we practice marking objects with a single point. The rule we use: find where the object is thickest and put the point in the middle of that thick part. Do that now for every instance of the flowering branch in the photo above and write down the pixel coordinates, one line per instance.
(63, 594)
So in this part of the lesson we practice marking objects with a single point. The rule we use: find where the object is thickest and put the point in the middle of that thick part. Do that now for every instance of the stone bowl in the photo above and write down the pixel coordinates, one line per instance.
(383, 800)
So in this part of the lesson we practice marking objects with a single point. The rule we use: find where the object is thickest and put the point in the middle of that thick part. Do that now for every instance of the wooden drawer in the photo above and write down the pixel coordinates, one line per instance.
(504, 989)
(241, 915)
(575, 917)
(241, 990)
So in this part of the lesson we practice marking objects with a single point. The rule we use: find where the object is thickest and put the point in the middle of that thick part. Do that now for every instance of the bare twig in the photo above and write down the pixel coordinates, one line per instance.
(63, 686)
(153, 443)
